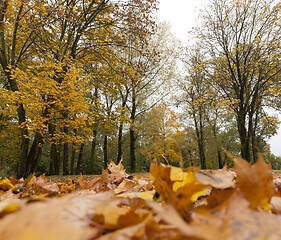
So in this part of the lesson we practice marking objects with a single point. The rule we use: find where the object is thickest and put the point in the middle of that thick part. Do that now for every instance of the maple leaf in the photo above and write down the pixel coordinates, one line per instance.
(6, 184)
(177, 187)
(221, 178)
(116, 169)
(41, 185)
(255, 181)
(237, 220)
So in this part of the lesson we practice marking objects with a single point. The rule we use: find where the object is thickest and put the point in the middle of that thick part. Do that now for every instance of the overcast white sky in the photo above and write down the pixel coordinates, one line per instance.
(182, 15)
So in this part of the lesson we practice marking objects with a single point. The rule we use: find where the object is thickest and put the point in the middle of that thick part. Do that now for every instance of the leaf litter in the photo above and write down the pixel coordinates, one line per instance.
(171, 203)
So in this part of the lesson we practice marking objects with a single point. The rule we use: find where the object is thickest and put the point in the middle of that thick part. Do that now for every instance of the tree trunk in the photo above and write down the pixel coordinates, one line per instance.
(132, 132)
(24, 143)
(72, 159)
(55, 158)
(95, 131)
(73, 155)
(245, 142)
(120, 130)
(93, 150)
(105, 157)
(120, 133)
(65, 154)
(201, 145)
(35, 153)
(255, 143)
(54, 155)
(217, 146)
(79, 161)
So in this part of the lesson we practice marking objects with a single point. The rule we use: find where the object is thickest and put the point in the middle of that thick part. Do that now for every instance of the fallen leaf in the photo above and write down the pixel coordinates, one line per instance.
(255, 182)
(178, 187)
(221, 178)
(6, 184)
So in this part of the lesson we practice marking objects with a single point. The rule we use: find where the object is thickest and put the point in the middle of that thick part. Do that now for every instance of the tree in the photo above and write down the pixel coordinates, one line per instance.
(197, 91)
(242, 38)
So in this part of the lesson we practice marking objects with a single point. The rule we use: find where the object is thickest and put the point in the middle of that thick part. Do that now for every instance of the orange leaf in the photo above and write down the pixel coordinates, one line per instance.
(255, 182)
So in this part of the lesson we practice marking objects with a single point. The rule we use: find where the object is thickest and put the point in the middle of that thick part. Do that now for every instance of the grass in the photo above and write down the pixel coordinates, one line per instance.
(66, 178)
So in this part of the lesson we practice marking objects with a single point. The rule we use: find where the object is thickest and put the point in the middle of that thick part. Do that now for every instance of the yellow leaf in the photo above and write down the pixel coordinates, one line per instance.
(6, 184)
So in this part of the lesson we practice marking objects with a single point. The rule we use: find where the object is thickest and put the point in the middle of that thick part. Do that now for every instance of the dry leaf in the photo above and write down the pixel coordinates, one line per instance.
(221, 178)
(6, 184)
(255, 182)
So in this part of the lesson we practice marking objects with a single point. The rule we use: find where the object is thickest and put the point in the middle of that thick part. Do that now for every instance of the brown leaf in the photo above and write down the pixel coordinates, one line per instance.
(41, 185)
(147, 229)
(171, 217)
(104, 176)
(46, 220)
(255, 182)
(276, 205)
(177, 187)
(221, 178)
(6, 184)
(116, 169)
(237, 220)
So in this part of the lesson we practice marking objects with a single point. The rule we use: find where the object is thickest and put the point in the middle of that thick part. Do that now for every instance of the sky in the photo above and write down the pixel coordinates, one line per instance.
(182, 16)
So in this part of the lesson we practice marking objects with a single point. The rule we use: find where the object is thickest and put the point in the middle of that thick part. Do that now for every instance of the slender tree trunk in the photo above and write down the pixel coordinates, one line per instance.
(54, 155)
(73, 155)
(55, 158)
(79, 161)
(120, 133)
(201, 145)
(94, 140)
(24, 143)
(35, 152)
(132, 132)
(72, 159)
(254, 139)
(65, 154)
(244, 139)
(120, 130)
(105, 157)
(217, 146)
(93, 150)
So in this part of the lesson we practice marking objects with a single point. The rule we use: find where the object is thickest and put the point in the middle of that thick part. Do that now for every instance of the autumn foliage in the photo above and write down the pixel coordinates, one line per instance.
(171, 203)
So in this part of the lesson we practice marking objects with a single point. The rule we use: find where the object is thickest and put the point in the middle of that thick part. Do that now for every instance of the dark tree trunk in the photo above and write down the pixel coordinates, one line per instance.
(65, 159)
(201, 145)
(35, 153)
(54, 155)
(217, 146)
(255, 143)
(120, 133)
(72, 159)
(79, 161)
(132, 133)
(55, 158)
(24, 143)
(200, 138)
(95, 131)
(220, 159)
(105, 157)
(73, 155)
(93, 150)
(120, 130)
(244, 139)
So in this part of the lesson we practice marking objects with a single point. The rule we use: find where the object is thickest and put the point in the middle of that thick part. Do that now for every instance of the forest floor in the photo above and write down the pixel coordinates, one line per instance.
(61, 178)
(167, 203)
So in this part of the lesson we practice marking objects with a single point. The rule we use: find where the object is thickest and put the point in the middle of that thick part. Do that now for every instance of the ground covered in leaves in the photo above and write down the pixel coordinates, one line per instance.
(169, 203)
